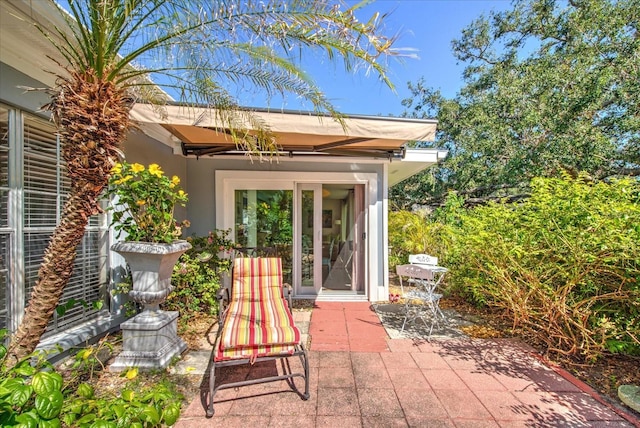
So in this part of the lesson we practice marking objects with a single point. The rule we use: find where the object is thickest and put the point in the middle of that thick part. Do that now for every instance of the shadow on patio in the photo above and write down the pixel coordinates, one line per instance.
(369, 379)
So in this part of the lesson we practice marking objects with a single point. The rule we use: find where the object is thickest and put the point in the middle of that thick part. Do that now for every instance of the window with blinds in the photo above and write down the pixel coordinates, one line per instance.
(5, 232)
(44, 190)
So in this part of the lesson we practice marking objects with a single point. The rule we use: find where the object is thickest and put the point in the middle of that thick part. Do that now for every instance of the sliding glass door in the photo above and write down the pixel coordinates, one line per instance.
(343, 222)
(308, 239)
(316, 227)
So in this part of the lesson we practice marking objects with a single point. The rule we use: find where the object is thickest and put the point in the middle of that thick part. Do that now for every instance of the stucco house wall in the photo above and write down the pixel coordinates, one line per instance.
(201, 177)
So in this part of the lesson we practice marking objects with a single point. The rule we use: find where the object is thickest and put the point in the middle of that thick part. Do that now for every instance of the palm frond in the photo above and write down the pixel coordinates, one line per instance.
(193, 50)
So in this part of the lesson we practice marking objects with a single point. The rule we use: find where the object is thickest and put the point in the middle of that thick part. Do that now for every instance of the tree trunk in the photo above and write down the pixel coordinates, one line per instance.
(55, 271)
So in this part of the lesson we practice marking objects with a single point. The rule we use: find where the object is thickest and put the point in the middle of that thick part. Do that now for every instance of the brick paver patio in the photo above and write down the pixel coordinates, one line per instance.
(361, 378)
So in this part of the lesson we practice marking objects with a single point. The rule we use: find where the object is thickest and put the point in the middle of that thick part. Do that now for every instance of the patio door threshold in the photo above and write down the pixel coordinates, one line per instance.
(341, 297)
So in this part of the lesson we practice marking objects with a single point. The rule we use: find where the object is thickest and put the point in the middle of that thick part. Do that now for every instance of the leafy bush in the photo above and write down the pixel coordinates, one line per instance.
(154, 406)
(33, 393)
(196, 276)
(90, 361)
(413, 233)
(30, 391)
(564, 264)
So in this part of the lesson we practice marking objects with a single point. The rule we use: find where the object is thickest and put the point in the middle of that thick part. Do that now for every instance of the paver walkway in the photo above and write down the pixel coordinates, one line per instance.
(350, 326)
(360, 378)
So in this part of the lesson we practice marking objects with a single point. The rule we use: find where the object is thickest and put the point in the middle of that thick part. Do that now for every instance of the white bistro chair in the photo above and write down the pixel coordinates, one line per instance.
(429, 262)
(421, 301)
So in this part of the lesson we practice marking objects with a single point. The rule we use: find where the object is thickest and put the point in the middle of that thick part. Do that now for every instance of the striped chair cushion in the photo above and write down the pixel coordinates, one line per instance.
(259, 322)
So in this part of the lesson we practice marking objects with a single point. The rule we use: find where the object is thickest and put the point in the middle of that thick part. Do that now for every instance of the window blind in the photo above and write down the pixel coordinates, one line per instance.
(45, 190)
(5, 232)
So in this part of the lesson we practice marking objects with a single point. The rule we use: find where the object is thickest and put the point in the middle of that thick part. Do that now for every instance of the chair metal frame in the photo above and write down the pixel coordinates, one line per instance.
(429, 262)
(224, 298)
(425, 283)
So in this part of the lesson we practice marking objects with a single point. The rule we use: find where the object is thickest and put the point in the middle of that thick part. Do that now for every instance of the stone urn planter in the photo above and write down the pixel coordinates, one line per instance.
(150, 338)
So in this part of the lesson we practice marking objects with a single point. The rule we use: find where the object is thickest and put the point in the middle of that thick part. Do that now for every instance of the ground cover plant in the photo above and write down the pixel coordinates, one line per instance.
(35, 393)
(562, 265)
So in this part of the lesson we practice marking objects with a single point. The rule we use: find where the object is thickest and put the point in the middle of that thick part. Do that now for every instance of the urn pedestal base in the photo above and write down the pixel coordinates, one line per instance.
(149, 342)
(150, 339)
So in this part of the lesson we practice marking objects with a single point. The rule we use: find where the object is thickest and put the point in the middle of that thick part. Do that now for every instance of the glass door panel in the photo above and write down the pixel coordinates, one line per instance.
(307, 254)
(343, 238)
(263, 224)
(308, 249)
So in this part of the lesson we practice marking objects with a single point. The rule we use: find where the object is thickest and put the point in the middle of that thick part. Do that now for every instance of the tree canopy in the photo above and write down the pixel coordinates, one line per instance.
(548, 86)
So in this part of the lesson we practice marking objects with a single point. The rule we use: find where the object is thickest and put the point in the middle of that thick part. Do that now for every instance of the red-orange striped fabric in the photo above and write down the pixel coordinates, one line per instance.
(259, 321)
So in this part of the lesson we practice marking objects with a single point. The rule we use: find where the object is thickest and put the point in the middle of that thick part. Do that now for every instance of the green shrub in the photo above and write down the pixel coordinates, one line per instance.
(135, 406)
(413, 233)
(196, 276)
(34, 394)
(563, 264)
(195, 286)
(31, 392)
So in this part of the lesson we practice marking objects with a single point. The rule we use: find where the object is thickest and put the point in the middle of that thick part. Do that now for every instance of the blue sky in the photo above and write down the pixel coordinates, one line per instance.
(426, 25)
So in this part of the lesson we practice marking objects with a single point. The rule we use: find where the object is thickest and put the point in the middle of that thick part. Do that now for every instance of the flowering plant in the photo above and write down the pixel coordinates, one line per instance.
(145, 202)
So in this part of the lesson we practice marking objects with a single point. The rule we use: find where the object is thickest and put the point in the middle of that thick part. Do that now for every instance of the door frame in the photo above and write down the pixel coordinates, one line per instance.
(316, 241)
(227, 181)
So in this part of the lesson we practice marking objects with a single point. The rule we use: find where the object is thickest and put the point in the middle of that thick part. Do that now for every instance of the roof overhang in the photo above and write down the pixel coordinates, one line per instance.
(195, 132)
(23, 47)
(414, 161)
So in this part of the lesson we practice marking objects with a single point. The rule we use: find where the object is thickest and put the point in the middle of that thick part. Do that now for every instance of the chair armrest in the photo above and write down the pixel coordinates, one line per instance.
(223, 297)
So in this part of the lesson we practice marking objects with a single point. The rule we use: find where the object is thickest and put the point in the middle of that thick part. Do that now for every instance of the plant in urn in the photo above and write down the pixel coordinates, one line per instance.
(145, 199)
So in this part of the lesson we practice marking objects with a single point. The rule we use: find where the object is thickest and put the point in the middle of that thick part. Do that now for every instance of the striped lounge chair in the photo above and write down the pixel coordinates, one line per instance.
(256, 325)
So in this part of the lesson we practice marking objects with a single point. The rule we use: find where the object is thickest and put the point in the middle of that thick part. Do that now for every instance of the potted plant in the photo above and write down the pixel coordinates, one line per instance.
(144, 199)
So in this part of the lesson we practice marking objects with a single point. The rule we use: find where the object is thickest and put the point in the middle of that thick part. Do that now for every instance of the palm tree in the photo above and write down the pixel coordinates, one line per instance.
(119, 52)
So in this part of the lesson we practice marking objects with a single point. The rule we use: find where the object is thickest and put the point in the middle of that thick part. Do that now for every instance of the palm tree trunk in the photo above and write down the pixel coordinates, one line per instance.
(93, 117)
(55, 271)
